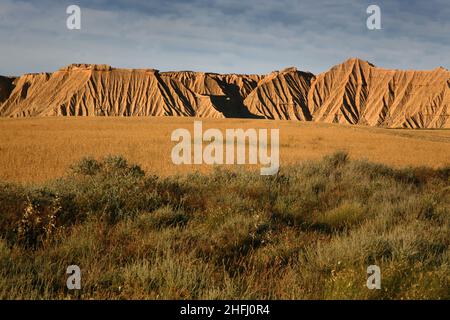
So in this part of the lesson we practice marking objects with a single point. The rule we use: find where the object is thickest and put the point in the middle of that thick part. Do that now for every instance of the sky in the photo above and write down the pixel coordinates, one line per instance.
(224, 36)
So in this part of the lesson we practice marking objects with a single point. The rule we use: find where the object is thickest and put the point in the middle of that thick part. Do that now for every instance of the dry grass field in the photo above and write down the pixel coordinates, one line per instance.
(309, 232)
(39, 149)
(137, 231)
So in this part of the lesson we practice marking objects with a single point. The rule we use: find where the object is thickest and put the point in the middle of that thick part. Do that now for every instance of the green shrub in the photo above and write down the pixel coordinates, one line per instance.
(87, 166)
(308, 232)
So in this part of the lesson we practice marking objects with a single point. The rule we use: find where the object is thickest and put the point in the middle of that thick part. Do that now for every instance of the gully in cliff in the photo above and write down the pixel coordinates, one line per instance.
(213, 152)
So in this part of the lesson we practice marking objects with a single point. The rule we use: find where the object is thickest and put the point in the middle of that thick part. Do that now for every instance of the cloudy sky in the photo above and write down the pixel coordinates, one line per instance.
(242, 36)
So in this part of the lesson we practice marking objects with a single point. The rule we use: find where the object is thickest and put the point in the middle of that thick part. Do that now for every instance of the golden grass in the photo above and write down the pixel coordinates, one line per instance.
(38, 149)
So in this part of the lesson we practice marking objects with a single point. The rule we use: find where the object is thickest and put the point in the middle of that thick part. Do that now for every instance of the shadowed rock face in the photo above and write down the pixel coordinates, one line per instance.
(6, 87)
(354, 92)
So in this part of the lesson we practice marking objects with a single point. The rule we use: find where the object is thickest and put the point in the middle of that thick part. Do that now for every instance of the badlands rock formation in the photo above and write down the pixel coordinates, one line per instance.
(282, 95)
(354, 92)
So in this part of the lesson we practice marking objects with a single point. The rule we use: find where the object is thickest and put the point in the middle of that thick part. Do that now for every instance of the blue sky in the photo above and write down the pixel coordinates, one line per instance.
(242, 36)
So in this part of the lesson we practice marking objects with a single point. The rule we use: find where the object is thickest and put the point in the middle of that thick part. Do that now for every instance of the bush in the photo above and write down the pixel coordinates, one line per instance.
(87, 166)
(112, 165)
(307, 233)
(36, 226)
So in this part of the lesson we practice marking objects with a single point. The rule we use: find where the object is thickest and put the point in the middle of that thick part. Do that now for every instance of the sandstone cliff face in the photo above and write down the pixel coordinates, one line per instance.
(216, 84)
(83, 90)
(99, 90)
(222, 93)
(281, 95)
(354, 92)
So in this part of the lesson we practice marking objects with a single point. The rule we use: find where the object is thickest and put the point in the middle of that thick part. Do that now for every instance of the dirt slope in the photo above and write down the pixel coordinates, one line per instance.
(224, 93)
(98, 90)
(354, 92)
(86, 90)
(281, 95)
